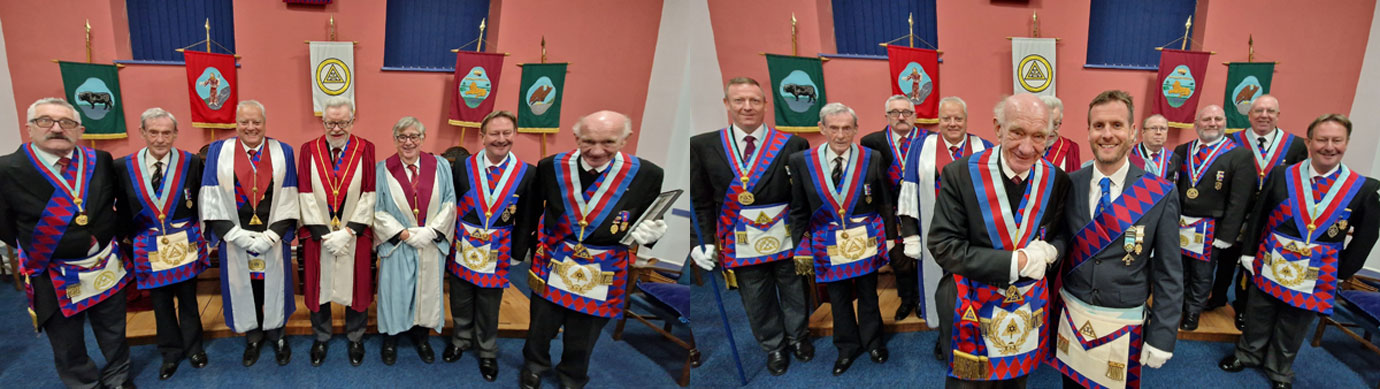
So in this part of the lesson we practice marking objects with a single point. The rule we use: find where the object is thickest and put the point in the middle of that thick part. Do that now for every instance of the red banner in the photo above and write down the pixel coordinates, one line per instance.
(915, 74)
(1181, 81)
(476, 75)
(211, 86)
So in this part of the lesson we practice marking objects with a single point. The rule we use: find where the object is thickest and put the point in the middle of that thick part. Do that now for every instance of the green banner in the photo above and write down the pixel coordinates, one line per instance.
(1245, 82)
(797, 85)
(95, 90)
(539, 98)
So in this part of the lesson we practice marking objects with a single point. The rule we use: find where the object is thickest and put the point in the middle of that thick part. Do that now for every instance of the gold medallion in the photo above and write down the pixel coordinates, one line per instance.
(581, 252)
(767, 245)
(1218, 185)
(81, 219)
(1192, 193)
(1013, 295)
(335, 224)
(479, 235)
(869, 199)
(746, 198)
(1139, 248)
(106, 280)
(1341, 224)
(1332, 231)
(254, 221)
(257, 265)
(613, 229)
(475, 258)
(1183, 241)
(73, 290)
(506, 215)
(165, 240)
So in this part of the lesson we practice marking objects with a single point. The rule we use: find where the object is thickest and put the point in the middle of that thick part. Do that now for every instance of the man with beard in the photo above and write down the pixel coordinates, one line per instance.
(336, 190)
(892, 145)
(1060, 150)
(497, 224)
(1121, 239)
(989, 236)
(1215, 182)
(159, 185)
(1270, 147)
(1317, 222)
(59, 211)
(741, 200)
(249, 203)
(1150, 155)
(921, 184)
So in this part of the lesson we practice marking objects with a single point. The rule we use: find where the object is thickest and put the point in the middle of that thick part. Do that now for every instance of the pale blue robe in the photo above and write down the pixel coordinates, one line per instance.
(410, 292)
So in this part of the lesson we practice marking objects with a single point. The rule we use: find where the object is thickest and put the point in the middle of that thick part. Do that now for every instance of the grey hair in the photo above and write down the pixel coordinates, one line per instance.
(33, 108)
(832, 109)
(579, 128)
(154, 113)
(956, 100)
(1147, 119)
(1053, 103)
(898, 97)
(339, 101)
(999, 113)
(409, 122)
(252, 103)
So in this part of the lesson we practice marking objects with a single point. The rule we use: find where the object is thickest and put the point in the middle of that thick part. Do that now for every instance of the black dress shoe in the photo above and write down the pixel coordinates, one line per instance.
(452, 353)
(1281, 385)
(904, 310)
(356, 350)
(198, 360)
(842, 364)
(318, 353)
(282, 352)
(1190, 322)
(251, 352)
(804, 351)
(529, 379)
(1231, 364)
(879, 355)
(488, 367)
(389, 353)
(424, 351)
(1240, 321)
(167, 371)
(938, 353)
(778, 362)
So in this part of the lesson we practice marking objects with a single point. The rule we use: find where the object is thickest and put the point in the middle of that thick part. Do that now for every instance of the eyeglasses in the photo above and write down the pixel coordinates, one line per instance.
(900, 112)
(47, 122)
(406, 138)
(330, 125)
(1156, 129)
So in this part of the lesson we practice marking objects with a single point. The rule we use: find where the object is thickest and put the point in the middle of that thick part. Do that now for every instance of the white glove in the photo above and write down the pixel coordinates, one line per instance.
(1248, 262)
(704, 256)
(337, 242)
(263, 241)
(1035, 262)
(240, 238)
(420, 237)
(1051, 254)
(912, 246)
(1154, 358)
(649, 232)
(1221, 244)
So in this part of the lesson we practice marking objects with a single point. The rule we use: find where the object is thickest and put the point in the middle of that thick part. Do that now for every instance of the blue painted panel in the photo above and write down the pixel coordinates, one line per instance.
(859, 25)
(158, 27)
(1124, 33)
(419, 34)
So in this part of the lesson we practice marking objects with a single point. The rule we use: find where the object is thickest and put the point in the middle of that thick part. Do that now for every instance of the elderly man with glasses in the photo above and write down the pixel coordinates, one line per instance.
(892, 145)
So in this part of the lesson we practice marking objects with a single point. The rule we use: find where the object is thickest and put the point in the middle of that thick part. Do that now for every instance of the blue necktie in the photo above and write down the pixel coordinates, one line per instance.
(1106, 199)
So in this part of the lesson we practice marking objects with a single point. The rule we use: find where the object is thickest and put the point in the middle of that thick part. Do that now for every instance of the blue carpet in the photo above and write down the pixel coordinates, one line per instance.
(642, 360)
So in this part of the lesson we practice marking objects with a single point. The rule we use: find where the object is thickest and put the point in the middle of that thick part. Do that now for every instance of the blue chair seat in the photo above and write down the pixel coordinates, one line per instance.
(665, 301)
(1363, 305)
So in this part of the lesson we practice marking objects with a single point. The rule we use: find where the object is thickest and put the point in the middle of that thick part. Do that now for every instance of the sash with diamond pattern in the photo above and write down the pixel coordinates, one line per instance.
(838, 215)
(729, 219)
(1128, 208)
(1154, 166)
(899, 151)
(59, 211)
(485, 205)
(1265, 161)
(1320, 256)
(159, 204)
(1195, 171)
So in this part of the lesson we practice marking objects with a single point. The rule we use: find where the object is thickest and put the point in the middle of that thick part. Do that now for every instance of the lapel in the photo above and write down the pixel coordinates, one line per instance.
(1082, 185)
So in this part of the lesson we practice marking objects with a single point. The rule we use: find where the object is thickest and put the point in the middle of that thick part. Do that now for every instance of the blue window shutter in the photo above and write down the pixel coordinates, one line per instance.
(1125, 33)
(158, 27)
(859, 25)
(419, 34)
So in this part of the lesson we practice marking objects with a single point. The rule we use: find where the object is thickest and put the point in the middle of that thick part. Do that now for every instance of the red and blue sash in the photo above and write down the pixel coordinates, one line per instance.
(1128, 208)
(616, 259)
(899, 151)
(1266, 161)
(1157, 166)
(594, 205)
(1137, 342)
(60, 210)
(1304, 211)
(1195, 171)
(486, 206)
(729, 217)
(841, 199)
(1059, 152)
(838, 214)
(150, 224)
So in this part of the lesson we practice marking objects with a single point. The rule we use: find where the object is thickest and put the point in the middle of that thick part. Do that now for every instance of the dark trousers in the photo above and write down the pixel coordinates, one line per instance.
(474, 312)
(1274, 331)
(1198, 280)
(774, 298)
(907, 276)
(322, 324)
(258, 334)
(854, 334)
(1014, 383)
(944, 300)
(418, 334)
(179, 328)
(65, 334)
(1225, 277)
(581, 332)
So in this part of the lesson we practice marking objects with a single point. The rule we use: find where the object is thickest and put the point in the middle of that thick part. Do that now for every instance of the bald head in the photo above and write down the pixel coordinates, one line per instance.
(601, 135)
(1264, 114)
(1023, 126)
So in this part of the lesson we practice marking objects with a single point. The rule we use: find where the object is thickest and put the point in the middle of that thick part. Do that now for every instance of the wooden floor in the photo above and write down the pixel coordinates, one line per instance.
(141, 328)
(1218, 325)
(822, 321)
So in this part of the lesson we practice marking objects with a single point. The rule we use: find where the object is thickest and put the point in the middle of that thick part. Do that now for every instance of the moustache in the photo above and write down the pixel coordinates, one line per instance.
(56, 136)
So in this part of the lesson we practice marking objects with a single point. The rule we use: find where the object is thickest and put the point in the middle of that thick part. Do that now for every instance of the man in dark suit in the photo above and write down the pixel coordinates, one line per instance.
(841, 202)
(892, 145)
(1316, 222)
(1121, 239)
(991, 245)
(579, 273)
(740, 176)
(59, 210)
(160, 185)
(1215, 181)
(1270, 146)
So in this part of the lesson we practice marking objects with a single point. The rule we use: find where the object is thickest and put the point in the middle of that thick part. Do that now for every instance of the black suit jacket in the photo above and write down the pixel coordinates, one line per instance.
(132, 204)
(711, 173)
(805, 199)
(524, 223)
(877, 141)
(641, 192)
(1297, 152)
(1363, 224)
(1227, 205)
(1105, 281)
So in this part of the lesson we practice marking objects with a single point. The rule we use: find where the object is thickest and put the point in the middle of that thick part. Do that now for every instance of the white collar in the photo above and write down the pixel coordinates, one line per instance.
(1270, 136)
(1009, 172)
(485, 164)
(1329, 172)
(739, 133)
(332, 145)
(149, 161)
(586, 166)
(908, 134)
(50, 158)
(829, 153)
(1213, 143)
(1118, 177)
(947, 145)
(1148, 150)
(255, 148)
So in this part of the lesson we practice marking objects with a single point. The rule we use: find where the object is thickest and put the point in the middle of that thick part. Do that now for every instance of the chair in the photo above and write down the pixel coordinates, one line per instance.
(654, 294)
(1357, 306)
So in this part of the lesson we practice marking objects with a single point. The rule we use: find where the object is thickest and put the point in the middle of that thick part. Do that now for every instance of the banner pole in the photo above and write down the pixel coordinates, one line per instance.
(208, 35)
(910, 34)
(462, 136)
(723, 314)
(543, 145)
(480, 46)
(1187, 27)
(794, 44)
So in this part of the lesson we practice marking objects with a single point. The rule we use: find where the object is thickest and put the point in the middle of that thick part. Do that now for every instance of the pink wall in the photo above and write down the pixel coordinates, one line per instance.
(1319, 50)
(610, 65)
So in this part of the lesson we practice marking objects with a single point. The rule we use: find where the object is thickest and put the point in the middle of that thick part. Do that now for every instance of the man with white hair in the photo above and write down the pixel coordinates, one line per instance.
(579, 273)
(59, 211)
(249, 203)
(160, 186)
(893, 145)
(989, 236)
(841, 201)
(336, 194)
(1060, 150)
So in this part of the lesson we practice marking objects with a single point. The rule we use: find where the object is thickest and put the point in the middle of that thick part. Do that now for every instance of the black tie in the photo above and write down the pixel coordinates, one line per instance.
(1260, 141)
(335, 155)
(158, 177)
(838, 171)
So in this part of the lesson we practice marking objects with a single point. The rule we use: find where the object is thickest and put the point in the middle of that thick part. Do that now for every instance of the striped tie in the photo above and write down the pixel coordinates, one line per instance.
(69, 172)
(158, 178)
(1320, 187)
(493, 177)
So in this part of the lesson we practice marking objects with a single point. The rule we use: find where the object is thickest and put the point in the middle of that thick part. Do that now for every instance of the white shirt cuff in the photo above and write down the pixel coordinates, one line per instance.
(1015, 273)
(1221, 244)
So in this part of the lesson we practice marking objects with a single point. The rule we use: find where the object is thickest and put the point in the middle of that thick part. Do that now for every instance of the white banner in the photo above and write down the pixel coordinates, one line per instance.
(1032, 64)
(332, 72)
